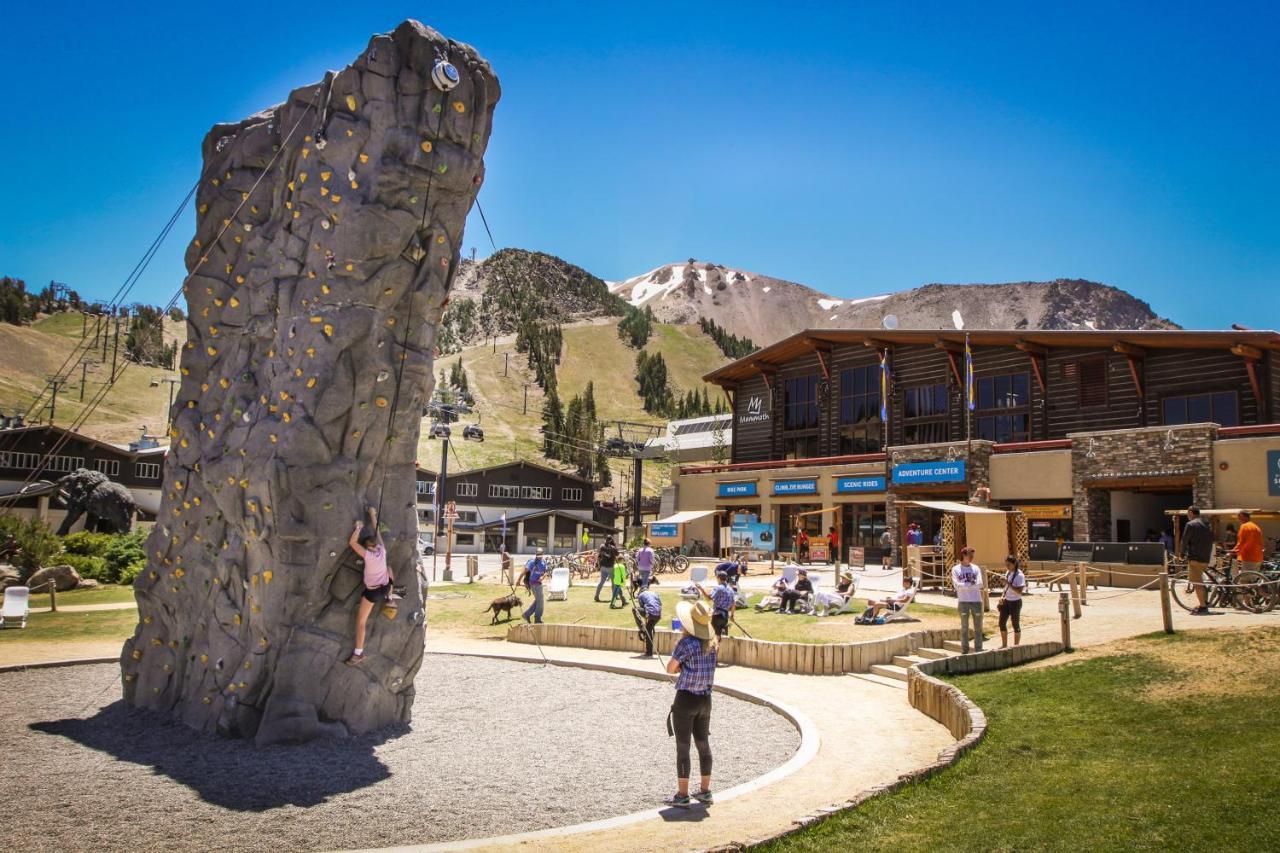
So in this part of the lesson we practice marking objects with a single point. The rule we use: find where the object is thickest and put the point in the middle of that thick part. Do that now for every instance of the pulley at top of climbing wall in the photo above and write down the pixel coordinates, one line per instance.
(444, 75)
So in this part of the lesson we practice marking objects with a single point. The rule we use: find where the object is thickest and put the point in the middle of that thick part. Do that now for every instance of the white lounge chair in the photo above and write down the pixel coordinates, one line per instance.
(789, 572)
(17, 603)
(558, 590)
(697, 575)
(847, 603)
(900, 615)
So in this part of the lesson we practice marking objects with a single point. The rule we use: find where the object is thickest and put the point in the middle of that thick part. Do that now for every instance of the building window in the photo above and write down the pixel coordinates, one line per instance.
(535, 541)
(536, 493)
(467, 516)
(1220, 408)
(1090, 375)
(1004, 407)
(146, 470)
(13, 459)
(498, 490)
(860, 424)
(800, 446)
(566, 540)
(64, 464)
(924, 414)
(426, 487)
(469, 490)
(464, 539)
(110, 467)
(800, 402)
(571, 495)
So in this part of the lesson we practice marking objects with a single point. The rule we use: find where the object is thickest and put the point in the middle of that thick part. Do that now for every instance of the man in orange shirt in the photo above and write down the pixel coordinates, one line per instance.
(1248, 548)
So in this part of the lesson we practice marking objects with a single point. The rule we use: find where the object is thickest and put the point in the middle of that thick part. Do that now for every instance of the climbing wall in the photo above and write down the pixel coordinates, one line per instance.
(328, 229)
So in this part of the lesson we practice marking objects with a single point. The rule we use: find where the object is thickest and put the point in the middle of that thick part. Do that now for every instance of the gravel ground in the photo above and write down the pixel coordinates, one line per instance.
(496, 747)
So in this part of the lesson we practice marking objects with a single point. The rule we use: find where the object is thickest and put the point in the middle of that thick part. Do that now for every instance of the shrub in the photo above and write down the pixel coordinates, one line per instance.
(126, 557)
(35, 541)
(87, 566)
(88, 544)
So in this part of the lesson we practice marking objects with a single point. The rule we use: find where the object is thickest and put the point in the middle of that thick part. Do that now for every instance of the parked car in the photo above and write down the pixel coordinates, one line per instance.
(426, 546)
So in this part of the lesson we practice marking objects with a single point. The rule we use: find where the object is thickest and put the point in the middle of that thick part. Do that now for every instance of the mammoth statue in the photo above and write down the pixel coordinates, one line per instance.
(109, 506)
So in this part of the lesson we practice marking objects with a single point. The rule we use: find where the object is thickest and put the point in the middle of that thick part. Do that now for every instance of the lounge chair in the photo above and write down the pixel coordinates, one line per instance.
(559, 588)
(17, 603)
(697, 575)
(900, 615)
(847, 603)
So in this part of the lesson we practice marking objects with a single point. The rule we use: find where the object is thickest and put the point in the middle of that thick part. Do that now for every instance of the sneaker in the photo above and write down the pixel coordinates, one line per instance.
(678, 800)
(1200, 611)
(355, 660)
(704, 797)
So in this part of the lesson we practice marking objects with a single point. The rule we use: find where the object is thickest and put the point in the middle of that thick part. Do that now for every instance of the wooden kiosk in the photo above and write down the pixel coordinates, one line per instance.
(992, 533)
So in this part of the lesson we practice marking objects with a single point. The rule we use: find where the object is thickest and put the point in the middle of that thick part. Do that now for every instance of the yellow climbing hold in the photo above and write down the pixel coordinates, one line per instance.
(213, 331)
(297, 371)
(239, 279)
(231, 481)
(350, 267)
(229, 269)
(290, 185)
(266, 576)
(284, 395)
(217, 302)
(459, 107)
(335, 198)
(206, 700)
(388, 291)
(381, 402)
(306, 152)
(186, 372)
(238, 619)
(273, 438)
(244, 196)
(196, 500)
(391, 321)
(302, 177)
(146, 620)
(324, 176)
(234, 303)
(311, 383)
(355, 185)
(324, 191)
(355, 433)
(183, 442)
(351, 102)
(137, 654)
(311, 351)
(317, 320)
(287, 417)
(244, 484)
(212, 351)
(328, 330)
(177, 573)
(440, 239)
(426, 146)
(364, 158)
(324, 288)
(204, 208)
(253, 581)
(215, 182)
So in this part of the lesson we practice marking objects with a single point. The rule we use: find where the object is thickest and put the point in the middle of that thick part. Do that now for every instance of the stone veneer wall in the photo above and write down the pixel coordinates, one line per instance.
(1135, 453)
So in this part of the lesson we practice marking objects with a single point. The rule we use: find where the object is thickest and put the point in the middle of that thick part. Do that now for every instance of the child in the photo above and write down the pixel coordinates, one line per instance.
(377, 578)
(619, 578)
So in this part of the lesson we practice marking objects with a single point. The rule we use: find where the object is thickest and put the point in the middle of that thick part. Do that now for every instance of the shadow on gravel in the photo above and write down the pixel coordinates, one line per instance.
(226, 772)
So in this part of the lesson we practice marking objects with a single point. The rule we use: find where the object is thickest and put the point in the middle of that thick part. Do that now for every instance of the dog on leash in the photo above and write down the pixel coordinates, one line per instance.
(503, 604)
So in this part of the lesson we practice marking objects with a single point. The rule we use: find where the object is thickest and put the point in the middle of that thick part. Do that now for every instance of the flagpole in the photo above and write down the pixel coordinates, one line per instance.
(968, 417)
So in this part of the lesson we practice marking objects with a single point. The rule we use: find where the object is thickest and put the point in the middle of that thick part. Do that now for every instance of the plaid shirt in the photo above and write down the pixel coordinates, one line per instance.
(697, 668)
(650, 603)
(722, 598)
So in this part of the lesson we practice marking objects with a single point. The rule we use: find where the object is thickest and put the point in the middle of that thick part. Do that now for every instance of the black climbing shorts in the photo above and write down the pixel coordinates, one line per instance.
(378, 593)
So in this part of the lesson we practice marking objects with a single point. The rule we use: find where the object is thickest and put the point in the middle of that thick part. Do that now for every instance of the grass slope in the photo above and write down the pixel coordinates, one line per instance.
(1167, 745)
(592, 353)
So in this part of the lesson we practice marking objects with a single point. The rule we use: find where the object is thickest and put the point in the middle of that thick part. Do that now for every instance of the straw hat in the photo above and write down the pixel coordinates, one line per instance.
(847, 575)
(695, 619)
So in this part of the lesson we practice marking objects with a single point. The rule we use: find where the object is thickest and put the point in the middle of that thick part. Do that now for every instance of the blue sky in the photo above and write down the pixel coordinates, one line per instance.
(854, 147)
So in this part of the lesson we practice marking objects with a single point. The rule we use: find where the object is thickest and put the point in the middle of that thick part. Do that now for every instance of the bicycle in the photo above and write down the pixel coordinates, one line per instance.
(669, 560)
(1248, 590)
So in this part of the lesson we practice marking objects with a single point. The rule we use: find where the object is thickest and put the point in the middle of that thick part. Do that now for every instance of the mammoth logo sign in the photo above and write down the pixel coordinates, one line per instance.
(756, 412)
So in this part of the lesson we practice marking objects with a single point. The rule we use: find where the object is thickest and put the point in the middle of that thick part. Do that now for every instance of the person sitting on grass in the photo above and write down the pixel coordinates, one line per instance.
(377, 578)
(893, 604)
(800, 592)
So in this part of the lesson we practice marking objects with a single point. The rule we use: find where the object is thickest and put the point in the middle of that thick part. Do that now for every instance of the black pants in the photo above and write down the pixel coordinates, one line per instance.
(720, 622)
(1011, 610)
(646, 627)
(789, 599)
(691, 719)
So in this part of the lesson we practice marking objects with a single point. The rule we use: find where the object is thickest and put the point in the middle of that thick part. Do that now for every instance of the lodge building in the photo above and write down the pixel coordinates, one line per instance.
(1092, 434)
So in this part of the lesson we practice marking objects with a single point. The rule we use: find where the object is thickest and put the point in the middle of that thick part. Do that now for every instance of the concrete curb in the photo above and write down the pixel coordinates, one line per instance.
(52, 664)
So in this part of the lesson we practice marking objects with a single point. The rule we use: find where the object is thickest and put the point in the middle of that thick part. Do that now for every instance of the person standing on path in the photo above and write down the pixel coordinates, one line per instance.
(722, 602)
(377, 578)
(1248, 548)
(693, 661)
(1197, 548)
(644, 564)
(833, 547)
(605, 558)
(533, 572)
(966, 577)
(886, 542)
(1010, 605)
(802, 544)
(648, 612)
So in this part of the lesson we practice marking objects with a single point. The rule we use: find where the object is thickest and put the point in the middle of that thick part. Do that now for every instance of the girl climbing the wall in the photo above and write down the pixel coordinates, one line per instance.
(377, 578)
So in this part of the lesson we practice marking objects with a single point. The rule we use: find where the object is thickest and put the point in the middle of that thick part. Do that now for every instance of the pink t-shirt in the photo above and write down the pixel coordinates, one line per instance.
(375, 567)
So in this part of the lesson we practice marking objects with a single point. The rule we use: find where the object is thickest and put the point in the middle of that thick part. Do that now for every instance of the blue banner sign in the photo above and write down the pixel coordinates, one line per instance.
(928, 472)
(1273, 473)
(664, 531)
(847, 485)
(795, 487)
(737, 490)
(752, 536)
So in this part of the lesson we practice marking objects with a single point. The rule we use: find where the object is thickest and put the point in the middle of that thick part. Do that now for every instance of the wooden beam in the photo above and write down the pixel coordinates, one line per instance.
(766, 373)
(1246, 351)
(949, 346)
(1137, 378)
(955, 368)
(1035, 368)
(873, 343)
(1129, 350)
(731, 394)
(1252, 367)
(824, 359)
(1034, 349)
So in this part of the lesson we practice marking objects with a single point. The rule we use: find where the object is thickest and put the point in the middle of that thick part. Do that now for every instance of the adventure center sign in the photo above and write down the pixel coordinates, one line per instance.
(909, 473)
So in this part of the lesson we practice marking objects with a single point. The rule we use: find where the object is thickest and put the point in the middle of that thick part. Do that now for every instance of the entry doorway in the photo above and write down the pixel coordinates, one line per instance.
(930, 521)
(1139, 516)
(861, 526)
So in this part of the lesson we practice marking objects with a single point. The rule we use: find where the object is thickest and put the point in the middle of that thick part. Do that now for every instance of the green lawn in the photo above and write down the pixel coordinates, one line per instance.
(105, 594)
(65, 627)
(463, 615)
(1169, 745)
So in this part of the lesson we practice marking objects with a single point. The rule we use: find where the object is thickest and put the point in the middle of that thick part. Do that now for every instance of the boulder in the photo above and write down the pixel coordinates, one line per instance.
(9, 576)
(328, 229)
(64, 579)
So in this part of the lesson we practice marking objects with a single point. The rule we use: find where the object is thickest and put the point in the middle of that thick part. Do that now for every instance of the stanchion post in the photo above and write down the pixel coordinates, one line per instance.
(1074, 579)
(1166, 607)
(53, 597)
(1083, 569)
(1064, 616)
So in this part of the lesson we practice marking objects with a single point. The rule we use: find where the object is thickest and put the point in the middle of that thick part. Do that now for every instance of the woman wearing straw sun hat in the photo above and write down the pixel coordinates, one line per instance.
(694, 662)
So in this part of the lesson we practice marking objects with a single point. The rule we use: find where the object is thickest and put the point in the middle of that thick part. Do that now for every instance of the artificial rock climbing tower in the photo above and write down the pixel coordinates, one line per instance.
(328, 231)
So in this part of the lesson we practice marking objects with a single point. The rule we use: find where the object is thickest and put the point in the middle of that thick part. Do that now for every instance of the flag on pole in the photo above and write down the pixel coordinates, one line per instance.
(504, 525)
(884, 385)
(968, 375)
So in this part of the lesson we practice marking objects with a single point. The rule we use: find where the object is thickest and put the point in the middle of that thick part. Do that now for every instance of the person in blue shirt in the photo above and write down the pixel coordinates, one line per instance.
(722, 602)
(693, 661)
(733, 568)
(533, 572)
(647, 611)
